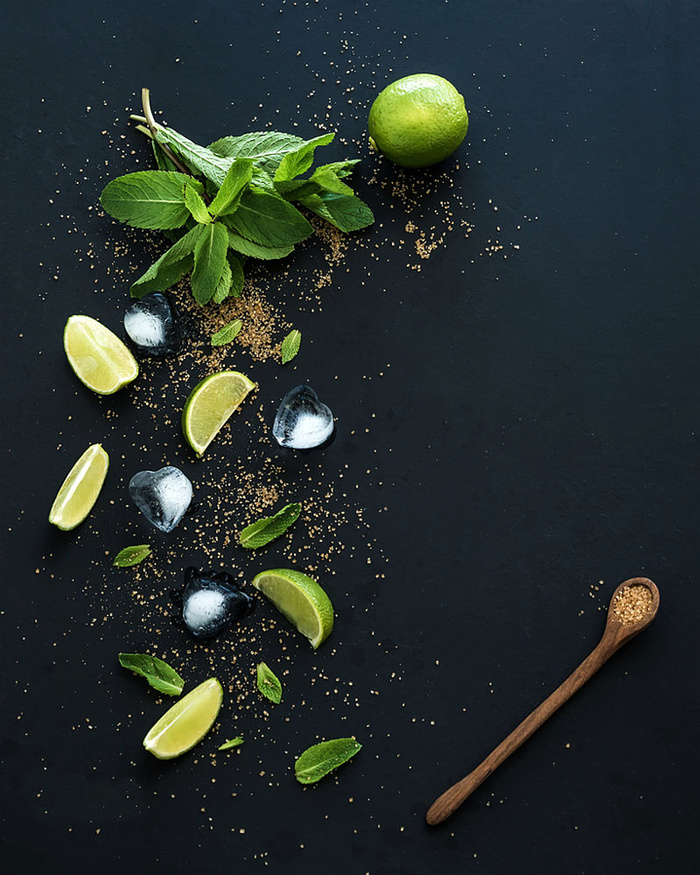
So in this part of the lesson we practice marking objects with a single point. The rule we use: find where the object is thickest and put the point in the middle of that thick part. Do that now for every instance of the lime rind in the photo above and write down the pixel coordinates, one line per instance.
(186, 723)
(79, 491)
(300, 599)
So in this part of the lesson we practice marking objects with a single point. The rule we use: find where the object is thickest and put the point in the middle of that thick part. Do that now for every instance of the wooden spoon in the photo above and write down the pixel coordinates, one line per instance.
(620, 627)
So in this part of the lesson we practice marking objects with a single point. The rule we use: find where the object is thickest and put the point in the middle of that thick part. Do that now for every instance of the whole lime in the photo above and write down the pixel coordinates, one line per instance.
(418, 120)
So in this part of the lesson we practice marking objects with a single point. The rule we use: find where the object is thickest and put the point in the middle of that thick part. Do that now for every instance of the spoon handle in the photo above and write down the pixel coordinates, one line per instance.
(451, 799)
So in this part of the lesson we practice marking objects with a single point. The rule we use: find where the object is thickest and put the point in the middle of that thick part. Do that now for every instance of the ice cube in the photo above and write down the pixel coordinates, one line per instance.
(210, 602)
(153, 325)
(302, 421)
(162, 496)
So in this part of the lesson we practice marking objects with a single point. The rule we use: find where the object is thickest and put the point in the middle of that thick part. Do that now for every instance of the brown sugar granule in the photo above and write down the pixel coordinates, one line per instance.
(632, 603)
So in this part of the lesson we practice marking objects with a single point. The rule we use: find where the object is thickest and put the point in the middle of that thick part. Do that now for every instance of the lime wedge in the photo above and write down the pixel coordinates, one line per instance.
(99, 358)
(210, 404)
(186, 723)
(79, 491)
(302, 601)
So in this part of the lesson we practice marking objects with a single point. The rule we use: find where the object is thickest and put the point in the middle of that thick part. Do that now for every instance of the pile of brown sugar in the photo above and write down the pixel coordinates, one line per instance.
(632, 603)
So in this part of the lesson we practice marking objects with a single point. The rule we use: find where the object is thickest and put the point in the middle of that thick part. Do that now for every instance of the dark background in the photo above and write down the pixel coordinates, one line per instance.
(531, 438)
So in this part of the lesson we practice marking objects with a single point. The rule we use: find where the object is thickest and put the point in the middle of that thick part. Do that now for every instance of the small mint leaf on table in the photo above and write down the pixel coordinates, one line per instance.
(151, 199)
(157, 672)
(269, 684)
(231, 743)
(226, 334)
(320, 759)
(290, 346)
(261, 532)
(132, 555)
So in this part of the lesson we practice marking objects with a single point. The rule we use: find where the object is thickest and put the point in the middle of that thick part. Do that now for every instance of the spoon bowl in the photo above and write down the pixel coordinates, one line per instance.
(633, 605)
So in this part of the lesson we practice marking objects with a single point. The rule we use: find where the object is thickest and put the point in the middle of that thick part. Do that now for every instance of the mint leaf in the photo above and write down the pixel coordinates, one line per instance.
(297, 162)
(197, 158)
(132, 555)
(290, 346)
(209, 261)
(226, 334)
(239, 175)
(345, 212)
(340, 168)
(169, 268)
(152, 199)
(263, 531)
(320, 759)
(158, 673)
(232, 742)
(268, 220)
(328, 180)
(195, 204)
(266, 148)
(254, 250)
(269, 684)
(237, 277)
(223, 287)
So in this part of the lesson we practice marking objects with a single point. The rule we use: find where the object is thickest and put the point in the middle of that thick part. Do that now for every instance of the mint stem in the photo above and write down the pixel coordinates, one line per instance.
(153, 127)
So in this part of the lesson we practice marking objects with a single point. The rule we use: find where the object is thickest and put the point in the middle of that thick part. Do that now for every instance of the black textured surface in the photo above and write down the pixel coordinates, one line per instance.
(533, 433)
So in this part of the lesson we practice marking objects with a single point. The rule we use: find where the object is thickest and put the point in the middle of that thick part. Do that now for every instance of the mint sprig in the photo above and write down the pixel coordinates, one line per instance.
(235, 199)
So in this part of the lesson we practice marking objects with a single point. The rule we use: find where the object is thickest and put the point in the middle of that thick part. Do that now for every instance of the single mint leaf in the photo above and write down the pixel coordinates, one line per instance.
(340, 168)
(152, 199)
(237, 276)
(297, 162)
(223, 287)
(239, 175)
(132, 555)
(263, 531)
(232, 742)
(320, 759)
(226, 334)
(254, 250)
(266, 148)
(328, 180)
(169, 268)
(158, 673)
(195, 204)
(209, 261)
(269, 684)
(345, 212)
(290, 346)
(269, 220)
(197, 158)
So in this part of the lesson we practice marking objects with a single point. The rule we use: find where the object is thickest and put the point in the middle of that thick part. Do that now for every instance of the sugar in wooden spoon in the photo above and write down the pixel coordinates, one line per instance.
(632, 607)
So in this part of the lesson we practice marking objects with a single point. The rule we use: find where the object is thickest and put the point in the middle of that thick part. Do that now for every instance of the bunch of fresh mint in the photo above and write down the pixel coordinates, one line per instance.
(227, 202)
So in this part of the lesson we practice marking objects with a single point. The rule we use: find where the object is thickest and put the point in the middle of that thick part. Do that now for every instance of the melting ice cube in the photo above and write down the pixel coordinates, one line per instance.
(302, 421)
(161, 496)
(210, 602)
(153, 326)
